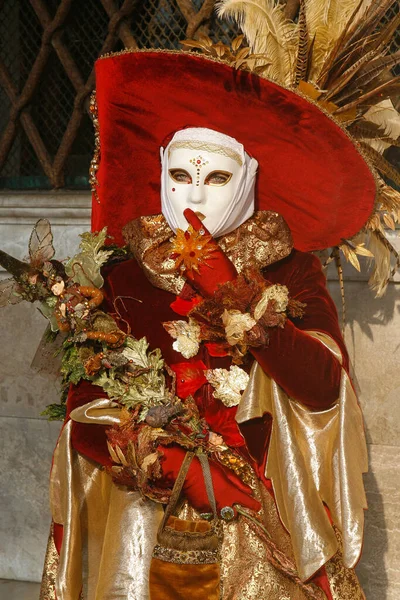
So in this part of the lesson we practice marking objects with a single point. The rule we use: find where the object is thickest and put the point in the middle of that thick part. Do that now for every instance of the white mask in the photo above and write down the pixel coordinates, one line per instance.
(210, 173)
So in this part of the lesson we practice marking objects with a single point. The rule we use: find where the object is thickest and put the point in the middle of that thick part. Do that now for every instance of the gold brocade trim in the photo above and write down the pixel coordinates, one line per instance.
(247, 572)
(260, 241)
(95, 162)
(50, 568)
(186, 557)
(343, 582)
(51, 562)
(208, 147)
(148, 238)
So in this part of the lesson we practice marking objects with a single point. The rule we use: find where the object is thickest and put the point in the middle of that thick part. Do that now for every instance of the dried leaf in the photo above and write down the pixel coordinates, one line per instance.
(193, 44)
(261, 69)
(374, 223)
(114, 456)
(149, 460)
(205, 40)
(237, 42)
(382, 250)
(362, 251)
(350, 256)
(389, 221)
(121, 456)
(220, 49)
(131, 454)
(243, 53)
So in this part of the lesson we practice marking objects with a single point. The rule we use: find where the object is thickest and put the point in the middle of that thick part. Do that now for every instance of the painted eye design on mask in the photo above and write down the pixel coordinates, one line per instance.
(218, 178)
(180, 176)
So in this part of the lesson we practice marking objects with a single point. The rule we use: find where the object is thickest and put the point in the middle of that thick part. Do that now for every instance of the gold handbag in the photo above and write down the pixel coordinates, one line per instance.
(185, 562)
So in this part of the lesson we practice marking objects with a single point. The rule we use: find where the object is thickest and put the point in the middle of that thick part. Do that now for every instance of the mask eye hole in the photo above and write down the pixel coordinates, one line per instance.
(218, 178)
(180, 176)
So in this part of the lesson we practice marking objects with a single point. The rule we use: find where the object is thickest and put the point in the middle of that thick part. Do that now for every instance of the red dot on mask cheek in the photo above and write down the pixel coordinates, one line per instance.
(173, 189)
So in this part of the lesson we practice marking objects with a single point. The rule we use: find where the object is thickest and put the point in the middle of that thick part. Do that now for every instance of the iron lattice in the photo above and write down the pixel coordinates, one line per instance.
(47, 52)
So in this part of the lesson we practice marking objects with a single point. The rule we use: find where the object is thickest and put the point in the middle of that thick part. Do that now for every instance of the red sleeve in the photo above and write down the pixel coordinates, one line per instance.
(300, 364)
(89, 440)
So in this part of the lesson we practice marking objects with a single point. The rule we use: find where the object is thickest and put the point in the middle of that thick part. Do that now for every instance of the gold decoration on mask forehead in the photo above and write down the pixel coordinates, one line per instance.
(207, 147)
(199, 162)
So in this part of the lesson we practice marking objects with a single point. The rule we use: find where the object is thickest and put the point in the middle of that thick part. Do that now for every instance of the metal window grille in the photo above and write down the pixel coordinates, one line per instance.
(47, 51)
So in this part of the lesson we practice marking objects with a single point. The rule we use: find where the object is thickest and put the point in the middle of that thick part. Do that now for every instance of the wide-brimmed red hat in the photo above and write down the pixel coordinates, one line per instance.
(310, 170)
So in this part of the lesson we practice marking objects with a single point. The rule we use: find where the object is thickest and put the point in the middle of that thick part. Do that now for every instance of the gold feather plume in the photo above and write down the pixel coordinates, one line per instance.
(326, 20)
(268, 32)
(338, 53)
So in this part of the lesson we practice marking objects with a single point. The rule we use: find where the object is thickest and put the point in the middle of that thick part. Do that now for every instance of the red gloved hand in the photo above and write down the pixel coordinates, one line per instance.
(216, 270)
(228, 488)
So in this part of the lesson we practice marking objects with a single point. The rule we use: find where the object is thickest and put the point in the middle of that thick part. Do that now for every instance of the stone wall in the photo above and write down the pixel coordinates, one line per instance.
(27, 440)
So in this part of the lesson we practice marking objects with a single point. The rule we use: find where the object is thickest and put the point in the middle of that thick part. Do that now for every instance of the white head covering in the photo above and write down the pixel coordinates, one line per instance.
(241, 206)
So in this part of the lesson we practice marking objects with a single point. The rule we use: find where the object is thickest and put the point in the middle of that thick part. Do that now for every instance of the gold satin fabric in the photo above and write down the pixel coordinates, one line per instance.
(109, 535)
(314, 458)
(109, 532)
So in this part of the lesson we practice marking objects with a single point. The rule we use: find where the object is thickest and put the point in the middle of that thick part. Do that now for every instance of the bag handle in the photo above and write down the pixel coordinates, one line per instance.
(180, 480)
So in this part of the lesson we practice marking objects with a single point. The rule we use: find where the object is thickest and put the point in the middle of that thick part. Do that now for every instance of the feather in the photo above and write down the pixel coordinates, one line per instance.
(381, 164)
(339, 45)
(374, 96)
(327, 21)
(302, 62)
(375, 68)
(373, 17)
(363, 129)
(386, 121)
(348, 75)
(368, 77)
(268, 32)
(362, 35)
(346, 59)
(310, 59)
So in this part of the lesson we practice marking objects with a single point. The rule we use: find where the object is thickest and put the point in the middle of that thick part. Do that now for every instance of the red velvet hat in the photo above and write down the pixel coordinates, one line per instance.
(310, 170)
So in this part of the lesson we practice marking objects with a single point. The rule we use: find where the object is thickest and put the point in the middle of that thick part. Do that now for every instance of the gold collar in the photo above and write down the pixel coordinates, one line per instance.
(260, 241)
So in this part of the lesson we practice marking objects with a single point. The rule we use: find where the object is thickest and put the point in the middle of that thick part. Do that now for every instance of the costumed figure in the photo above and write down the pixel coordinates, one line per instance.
(206, 370)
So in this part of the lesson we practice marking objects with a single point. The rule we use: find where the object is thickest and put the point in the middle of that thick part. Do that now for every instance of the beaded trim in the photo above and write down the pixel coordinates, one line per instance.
(186, 557)
(95, 163)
